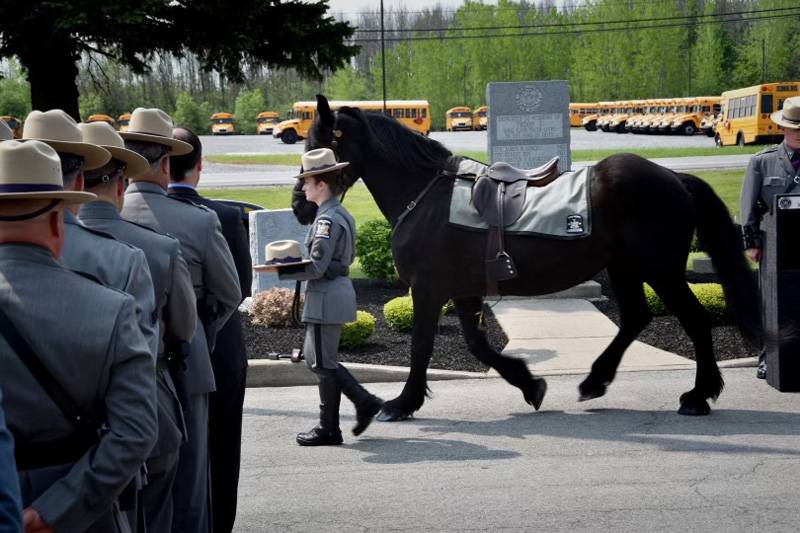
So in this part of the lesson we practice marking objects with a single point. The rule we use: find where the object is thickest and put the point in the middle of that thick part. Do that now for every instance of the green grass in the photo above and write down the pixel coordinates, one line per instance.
(256, 159)
(481, 155)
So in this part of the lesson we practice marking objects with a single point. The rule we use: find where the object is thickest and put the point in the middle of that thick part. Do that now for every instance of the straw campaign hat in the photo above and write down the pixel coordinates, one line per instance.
(5, 132)
(32, 170)
(60, 131)
(789, 116)
(102, 134)
(284, 253)
(154, 126)
(319, 161)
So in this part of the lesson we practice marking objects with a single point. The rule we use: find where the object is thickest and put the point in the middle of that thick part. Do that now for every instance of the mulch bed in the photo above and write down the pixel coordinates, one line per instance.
(388, 347)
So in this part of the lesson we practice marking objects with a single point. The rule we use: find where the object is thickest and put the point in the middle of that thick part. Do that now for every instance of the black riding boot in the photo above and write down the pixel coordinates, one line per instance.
(367, 405)
(327, 433)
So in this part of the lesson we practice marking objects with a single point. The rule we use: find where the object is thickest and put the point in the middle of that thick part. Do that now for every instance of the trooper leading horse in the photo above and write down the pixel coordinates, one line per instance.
(643, 220)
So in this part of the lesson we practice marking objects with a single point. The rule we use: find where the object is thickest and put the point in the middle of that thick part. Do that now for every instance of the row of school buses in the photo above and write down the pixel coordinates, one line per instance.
(739, 116)
(221, 123)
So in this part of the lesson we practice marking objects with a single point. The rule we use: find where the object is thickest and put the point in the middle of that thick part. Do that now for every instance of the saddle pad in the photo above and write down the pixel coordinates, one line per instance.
(560, 210)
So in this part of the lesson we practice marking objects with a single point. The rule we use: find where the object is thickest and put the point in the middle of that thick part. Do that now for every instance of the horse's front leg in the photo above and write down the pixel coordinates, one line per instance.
(515, 371)
(427, 307)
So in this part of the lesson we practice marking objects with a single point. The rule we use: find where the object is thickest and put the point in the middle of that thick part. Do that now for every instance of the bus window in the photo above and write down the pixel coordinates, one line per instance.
(411, 113)
(424, 113)
(766, 103)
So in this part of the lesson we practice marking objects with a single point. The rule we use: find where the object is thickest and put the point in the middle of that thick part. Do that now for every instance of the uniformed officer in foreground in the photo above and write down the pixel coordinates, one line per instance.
(5, 132)
(10, 501)
(175, 306)
(772, 171)
(71, 468)
(116, 264)
(215, 284)
(329, 303)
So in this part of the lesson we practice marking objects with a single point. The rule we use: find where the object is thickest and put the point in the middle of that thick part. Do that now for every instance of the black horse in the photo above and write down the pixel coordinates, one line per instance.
(643, 220)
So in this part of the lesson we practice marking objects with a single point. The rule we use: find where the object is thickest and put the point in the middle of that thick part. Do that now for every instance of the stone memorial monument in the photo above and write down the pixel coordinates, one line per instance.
(269, 225)
(529, 123)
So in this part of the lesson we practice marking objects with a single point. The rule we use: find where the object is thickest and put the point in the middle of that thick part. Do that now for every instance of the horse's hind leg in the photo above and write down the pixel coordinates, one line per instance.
(512, 370)
(427, 308)
(634, 317)
(680, 300)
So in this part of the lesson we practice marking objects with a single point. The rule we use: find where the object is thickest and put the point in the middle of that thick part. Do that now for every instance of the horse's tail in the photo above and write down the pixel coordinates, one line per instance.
(719, 237)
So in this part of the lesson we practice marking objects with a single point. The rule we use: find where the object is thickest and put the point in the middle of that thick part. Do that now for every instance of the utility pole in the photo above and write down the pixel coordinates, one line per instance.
(763, 61)
(383, 60)
(464, 102)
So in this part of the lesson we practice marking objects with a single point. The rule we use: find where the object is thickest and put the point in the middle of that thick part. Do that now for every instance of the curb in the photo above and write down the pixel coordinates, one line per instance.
(284, 373)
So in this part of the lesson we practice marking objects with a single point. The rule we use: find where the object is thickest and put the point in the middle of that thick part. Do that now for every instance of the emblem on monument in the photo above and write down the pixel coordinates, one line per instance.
(528, 98)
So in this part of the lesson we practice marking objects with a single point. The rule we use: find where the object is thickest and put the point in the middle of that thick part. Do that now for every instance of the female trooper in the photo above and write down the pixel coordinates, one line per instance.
(329, 303)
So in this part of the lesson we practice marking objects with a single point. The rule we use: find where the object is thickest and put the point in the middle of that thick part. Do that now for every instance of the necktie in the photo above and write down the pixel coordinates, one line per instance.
(796, 159)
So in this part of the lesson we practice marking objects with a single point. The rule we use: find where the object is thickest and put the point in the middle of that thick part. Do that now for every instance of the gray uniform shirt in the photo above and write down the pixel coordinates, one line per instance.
(88, 337)
(769, 172)
(207, 255)
(330, 237)
(117, 265)
(174, 294)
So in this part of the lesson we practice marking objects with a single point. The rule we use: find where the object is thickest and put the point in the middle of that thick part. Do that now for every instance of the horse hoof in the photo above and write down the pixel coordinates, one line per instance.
(391, 414)
(534, 392)
(695, 409)
(590, 392)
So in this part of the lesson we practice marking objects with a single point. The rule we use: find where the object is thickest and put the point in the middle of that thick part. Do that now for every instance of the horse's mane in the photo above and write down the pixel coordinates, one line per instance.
(399, 146)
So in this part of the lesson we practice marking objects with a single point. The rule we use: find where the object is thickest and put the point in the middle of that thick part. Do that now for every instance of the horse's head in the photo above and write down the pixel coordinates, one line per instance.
(346, 132)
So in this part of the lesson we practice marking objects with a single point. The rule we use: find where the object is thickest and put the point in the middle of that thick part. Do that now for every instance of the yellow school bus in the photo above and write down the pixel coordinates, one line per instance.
(699, 109)
(414, 114)
(265, 122)
(590, 120)
(480, 118)
(223, 124)
(633, 123)
(606, 117)
(15, 124)
(746, 113)
(122, 121)
(578, 110)
(709, 124)
(458, 118)
(102, 118)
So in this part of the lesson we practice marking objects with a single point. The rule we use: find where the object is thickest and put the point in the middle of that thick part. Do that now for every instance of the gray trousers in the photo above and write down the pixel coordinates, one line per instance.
(190, 494)
(321, 345)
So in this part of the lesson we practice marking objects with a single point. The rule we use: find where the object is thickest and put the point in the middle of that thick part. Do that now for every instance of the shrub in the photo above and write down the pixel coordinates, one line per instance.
(399, 313)
(356, 333)
(374, 246)
(273, 308)
(710, 296)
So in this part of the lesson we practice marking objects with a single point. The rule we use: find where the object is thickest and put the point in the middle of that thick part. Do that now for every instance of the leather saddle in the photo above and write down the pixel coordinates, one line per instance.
(499, 198)
(499, 195)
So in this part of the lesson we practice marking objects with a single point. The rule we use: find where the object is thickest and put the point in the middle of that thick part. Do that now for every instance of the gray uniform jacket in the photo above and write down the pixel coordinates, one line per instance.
(331, 237)
(175, 305)
(769, 172)
(88, 337)
(207, 255)
(115, 264)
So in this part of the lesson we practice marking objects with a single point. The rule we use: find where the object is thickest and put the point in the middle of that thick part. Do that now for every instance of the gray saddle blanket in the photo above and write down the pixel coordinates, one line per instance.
(559, 210)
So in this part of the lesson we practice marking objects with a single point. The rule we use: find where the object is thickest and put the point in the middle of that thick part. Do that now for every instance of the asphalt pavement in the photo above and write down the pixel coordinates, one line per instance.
(477, 458)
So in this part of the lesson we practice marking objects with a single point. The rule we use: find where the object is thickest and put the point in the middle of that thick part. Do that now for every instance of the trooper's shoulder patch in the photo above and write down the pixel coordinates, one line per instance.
(323, 230)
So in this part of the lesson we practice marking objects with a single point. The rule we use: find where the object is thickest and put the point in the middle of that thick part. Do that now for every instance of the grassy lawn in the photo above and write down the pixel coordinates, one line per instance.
(481, 155)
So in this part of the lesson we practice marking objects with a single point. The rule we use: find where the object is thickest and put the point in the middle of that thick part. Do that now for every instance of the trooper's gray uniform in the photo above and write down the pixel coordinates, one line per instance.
(116, 264)
(329, 303)
(214, 278)
(769, 173)
(88, 337)
(177, 319)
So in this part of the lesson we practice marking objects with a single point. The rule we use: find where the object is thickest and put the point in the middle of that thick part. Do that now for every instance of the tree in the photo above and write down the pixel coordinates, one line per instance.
(249, 103)
(49, 36)
(14, 93)
(188, 113)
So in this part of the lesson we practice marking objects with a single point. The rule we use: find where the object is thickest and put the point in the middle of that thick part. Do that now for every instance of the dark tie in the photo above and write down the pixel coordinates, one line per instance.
(796, 159)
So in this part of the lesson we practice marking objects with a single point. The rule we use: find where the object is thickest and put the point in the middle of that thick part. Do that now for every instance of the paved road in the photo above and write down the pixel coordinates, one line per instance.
(463, 140)
(477, 459)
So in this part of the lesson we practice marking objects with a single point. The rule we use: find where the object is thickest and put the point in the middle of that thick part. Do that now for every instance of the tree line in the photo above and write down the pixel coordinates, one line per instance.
(607, 49)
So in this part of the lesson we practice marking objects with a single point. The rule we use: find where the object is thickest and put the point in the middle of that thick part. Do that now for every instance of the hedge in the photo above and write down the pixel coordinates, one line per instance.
(374, 250)
(710, 296)
(357, 333)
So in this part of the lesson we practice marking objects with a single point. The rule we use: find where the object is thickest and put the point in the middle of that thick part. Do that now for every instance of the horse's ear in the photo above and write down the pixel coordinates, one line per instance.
(324, 111)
